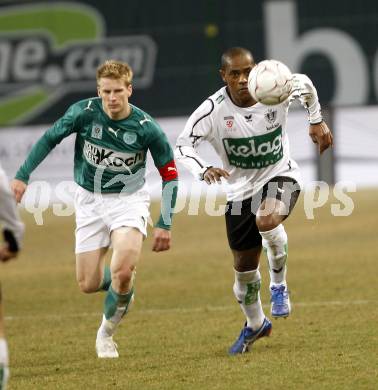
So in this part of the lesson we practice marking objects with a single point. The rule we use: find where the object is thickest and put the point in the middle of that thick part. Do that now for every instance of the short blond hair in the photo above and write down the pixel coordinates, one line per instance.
(115, 70)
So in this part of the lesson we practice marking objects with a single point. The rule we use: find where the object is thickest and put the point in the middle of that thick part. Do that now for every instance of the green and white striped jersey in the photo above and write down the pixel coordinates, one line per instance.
(110, 155)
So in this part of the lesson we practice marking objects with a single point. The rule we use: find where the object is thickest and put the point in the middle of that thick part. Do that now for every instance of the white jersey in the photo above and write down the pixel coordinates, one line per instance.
(252, 142)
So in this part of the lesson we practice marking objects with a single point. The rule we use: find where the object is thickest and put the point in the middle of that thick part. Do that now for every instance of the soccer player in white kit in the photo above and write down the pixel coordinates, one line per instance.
(13, 230)
(263, 181)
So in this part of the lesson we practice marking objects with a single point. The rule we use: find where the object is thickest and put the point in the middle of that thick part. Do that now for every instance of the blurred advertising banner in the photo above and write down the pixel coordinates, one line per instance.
(49, 50)
(356, 157)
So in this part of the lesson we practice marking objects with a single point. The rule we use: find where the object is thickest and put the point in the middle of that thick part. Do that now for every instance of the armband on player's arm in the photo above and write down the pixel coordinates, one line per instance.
(304, 90)
(169, 177)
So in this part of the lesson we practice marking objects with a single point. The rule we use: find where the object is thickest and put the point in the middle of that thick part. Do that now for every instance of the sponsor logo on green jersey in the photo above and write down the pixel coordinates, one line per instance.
(101, 157)
(259, 151)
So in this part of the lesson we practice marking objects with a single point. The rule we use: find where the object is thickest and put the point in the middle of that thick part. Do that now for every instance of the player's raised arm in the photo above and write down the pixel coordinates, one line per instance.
(53, 136)
(304, 89)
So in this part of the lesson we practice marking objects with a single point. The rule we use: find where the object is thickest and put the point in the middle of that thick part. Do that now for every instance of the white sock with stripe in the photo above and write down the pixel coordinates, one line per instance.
(275, 243)
(247, 292)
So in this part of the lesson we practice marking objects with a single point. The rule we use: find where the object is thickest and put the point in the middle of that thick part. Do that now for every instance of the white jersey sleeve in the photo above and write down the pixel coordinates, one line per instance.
(198, 128)
(305, 91)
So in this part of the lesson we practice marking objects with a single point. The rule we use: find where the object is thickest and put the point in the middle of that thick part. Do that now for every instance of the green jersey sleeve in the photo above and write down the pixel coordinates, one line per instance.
(162, 155)
(61, 129)
(160, 148)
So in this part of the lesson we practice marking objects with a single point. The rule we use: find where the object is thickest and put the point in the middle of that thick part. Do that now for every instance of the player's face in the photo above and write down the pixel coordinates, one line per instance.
(235, 75)
(115, 97)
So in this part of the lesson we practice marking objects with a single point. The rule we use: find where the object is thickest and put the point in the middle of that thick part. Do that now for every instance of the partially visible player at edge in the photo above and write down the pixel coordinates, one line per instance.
(111, 201)
(13, 230)
(262, 180)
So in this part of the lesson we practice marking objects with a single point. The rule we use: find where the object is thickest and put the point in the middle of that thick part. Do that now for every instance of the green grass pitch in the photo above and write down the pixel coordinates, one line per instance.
(185, 316)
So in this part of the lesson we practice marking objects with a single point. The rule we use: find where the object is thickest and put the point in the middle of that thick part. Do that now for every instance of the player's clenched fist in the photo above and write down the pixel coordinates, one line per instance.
(162, 240)
(321, 135)
(18, 188)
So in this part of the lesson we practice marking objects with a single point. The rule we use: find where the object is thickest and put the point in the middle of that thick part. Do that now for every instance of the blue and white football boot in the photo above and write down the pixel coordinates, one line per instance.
(248, 337)
(280, 301)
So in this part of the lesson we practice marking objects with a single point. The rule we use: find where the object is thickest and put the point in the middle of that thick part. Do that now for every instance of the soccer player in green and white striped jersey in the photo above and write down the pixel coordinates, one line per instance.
(111, 201)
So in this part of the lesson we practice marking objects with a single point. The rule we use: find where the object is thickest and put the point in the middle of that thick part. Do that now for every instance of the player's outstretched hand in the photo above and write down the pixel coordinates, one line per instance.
(162, 240)
(18, 188)
(321, 135)
(213, 175)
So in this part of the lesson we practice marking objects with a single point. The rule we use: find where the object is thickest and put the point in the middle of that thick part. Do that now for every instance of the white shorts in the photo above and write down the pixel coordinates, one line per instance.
(9, 216)
(97, 215)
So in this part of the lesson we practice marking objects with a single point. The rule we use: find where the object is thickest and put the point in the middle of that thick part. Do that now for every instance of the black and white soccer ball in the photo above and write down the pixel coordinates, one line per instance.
(270, 82)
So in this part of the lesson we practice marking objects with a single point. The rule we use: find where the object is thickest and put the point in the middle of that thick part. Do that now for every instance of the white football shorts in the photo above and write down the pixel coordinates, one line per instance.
(97, 215)
(9, 215)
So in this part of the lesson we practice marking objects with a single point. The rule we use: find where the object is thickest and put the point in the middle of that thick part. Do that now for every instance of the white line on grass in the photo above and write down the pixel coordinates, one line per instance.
(189, 309)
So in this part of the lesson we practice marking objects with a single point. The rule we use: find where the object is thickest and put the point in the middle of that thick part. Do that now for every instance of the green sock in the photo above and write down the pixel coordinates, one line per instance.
(107, 280)
(114, 300)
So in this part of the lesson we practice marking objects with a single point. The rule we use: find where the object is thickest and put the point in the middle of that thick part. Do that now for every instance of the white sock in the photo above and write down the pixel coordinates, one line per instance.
(4, 363)
(108, 327)
(275, 243)
(3, 352)
(247, 292)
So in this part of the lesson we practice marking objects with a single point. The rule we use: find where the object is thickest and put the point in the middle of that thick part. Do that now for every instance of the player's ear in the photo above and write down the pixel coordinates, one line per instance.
(223, 75)
(98, 92)
(129, 90)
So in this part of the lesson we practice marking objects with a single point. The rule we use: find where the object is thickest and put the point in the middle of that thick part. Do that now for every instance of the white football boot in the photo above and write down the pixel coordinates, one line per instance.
(106, 347)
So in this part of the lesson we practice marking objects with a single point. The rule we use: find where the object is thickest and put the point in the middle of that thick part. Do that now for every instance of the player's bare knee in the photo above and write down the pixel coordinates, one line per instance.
(124, 275)
(87, 286)
(268, 222)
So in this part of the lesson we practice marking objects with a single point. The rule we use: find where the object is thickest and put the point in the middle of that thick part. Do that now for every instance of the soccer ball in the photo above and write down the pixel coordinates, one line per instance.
(270, 82)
